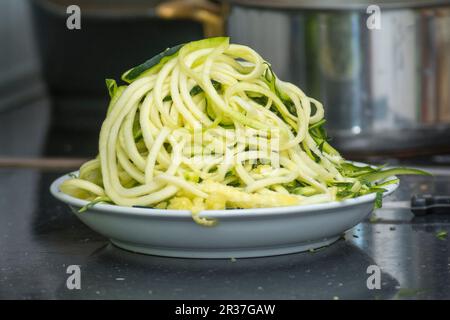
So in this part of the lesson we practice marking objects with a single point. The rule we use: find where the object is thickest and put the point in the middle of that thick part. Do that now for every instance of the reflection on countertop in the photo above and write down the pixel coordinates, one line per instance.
(40, 237)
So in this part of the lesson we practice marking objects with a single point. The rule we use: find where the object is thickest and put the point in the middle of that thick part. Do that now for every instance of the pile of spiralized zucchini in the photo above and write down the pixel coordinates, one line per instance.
(208, 125)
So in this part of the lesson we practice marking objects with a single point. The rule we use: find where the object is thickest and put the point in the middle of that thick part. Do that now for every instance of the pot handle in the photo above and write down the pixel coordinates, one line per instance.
(203, 11)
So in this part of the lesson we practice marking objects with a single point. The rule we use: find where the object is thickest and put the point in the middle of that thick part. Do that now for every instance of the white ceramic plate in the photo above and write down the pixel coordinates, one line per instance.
(240, 232)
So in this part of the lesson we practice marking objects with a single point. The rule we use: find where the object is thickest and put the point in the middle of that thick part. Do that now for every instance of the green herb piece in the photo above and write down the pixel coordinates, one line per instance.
(310, 154)
(137, 134)
(344, 194)
(384, 184)
(305, 191)
(350, 170)
(152, 65)
(319, 135)
(407, 293)
(341, 184)
(317, 124)
(111, 85)
(195, 90)
(441, 235)
(261, 100)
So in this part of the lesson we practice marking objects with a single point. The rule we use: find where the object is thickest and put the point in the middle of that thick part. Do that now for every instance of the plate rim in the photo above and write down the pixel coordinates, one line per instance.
(247, 213)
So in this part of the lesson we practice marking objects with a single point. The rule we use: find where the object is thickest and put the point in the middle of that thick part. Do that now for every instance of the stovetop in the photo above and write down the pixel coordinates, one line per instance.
(40, 237)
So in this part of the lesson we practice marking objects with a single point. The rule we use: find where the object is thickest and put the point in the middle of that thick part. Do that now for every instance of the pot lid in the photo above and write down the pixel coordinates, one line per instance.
(341, 5)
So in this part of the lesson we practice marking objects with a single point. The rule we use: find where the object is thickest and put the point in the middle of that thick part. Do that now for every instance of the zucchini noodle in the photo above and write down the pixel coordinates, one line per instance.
(207, 126)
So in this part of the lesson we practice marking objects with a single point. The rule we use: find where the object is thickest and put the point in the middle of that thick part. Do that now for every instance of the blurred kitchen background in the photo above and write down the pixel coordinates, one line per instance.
(386, 90)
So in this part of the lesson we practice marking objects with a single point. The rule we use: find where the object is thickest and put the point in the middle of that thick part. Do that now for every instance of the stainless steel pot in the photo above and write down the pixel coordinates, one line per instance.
(384, 90)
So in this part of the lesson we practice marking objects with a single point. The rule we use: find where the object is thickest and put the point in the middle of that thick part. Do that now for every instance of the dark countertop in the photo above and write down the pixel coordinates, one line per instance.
(40, 237)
